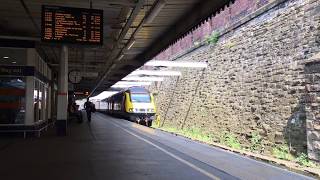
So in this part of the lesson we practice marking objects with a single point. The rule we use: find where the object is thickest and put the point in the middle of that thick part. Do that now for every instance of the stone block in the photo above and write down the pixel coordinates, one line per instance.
(309, 78)
(316, 145)
(312, 155)
(312, 67)
(316, 125)
(309, 124)
(279, 138)
(313, 135)
(315, 88)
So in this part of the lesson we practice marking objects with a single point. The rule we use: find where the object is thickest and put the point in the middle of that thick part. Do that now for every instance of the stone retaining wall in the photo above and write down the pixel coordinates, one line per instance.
(255, 81)
(312, 106)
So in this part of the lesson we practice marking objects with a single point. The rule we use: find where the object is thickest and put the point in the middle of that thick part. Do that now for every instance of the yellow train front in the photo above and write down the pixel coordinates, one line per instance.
(135, 104)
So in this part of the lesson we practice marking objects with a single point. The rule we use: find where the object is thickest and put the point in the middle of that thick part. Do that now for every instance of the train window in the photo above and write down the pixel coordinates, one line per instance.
(144, 98)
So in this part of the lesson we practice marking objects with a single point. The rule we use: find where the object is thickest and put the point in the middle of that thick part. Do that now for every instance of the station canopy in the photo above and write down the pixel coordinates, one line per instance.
(134, 31)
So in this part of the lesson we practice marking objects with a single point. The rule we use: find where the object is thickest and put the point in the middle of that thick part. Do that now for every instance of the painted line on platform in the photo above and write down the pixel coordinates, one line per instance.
(292, 173)
(204, 172)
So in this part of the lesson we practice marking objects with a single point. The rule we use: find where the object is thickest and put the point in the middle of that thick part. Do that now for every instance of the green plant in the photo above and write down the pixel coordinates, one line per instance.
(192, 133)
(230, 45)
(198, 134)
(255, 141)
(303, 160)
(282, 152)
(230, 140)
(213, 38)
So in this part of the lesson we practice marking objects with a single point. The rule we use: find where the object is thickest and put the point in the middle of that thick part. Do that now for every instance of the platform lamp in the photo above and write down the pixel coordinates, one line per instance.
(120, 57)
(130, 43)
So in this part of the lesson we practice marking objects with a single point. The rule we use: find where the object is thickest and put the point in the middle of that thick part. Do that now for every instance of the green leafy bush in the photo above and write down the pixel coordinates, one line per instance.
(193, 133)
(230, 140)
(303, 160)
(255, 141)
(282, 152)
(213, 38)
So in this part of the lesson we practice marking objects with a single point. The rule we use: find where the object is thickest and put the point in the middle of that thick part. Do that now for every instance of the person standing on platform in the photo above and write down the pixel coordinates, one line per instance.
(88, 107)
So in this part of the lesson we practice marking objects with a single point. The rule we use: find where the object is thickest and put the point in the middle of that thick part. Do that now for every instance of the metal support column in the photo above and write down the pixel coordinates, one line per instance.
(61, 123)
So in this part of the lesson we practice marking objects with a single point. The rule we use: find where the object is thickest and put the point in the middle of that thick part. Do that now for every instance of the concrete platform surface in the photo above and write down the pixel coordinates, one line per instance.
(111, 148)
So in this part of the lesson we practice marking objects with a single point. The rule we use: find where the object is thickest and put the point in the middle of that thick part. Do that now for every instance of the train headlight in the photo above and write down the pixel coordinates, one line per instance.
(130, 109)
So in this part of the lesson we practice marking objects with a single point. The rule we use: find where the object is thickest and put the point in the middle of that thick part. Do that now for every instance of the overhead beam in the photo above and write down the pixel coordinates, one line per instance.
(134, 14)
(138, 78)
(37, 28)
(122, 3)
(156, 73)
(24, 38)
(17, 43)
(124, 31)
(195, 16)
(185, 64)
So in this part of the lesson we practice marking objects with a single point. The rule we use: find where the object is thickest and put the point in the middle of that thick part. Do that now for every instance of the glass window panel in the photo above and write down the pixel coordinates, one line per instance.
(41, 108)
(36, 100)
(12, 100)
(46, 103)
(141, 98)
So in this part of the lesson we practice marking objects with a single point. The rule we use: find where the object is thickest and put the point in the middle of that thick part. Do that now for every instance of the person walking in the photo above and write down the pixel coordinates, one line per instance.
(88, 108)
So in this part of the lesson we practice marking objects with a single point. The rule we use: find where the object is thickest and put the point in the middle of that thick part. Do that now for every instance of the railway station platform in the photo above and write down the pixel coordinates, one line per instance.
(111, 148)
(245, 70)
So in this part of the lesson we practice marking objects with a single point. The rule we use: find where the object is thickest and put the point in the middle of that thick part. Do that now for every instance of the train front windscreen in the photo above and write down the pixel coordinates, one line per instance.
(140, 98)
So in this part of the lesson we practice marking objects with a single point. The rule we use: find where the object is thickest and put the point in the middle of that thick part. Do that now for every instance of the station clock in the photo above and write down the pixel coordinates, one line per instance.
(75, 76)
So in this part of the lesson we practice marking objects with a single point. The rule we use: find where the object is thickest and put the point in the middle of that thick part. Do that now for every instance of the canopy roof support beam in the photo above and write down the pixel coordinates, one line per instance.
(124, 31)
(184, 25)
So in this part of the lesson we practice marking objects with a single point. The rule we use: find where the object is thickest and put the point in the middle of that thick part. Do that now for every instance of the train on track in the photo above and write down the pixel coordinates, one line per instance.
(135, 104)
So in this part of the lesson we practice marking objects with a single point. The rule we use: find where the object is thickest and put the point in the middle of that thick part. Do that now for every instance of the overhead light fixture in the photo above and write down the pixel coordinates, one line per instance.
(130, 44)
(113, 66)
(154, 11)
(133, 83)
(104, 94)
(177, 64)
(121, 86)
(120, 57)
(126, 85)
(137, 78)
(156, 73)
(13, 62)
(5, 57)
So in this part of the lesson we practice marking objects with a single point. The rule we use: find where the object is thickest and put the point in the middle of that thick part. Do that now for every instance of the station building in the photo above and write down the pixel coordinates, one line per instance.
(27, 91)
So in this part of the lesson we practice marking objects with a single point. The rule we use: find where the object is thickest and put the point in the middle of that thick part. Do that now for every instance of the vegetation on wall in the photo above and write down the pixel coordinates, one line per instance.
(255, 142)
(192, 133)
(246, 89)
(230, 140)
(213, 38)
(282, 152)
(303, 160)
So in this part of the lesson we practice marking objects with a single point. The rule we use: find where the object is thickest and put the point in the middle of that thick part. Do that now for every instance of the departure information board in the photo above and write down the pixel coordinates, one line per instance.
(72, 25)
